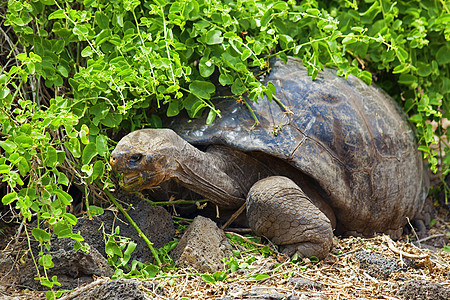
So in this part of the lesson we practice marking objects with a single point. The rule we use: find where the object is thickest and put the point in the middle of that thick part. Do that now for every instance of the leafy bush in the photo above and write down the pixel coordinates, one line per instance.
(74, 73)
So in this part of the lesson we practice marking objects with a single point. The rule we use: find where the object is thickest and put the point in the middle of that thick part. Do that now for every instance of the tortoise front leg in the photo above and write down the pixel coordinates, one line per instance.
(280, 211)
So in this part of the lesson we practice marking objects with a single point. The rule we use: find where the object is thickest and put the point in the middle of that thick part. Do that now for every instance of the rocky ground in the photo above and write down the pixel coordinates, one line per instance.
(357, 268)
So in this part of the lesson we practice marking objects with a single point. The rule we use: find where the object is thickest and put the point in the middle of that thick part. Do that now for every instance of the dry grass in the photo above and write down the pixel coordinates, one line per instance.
(339, 276)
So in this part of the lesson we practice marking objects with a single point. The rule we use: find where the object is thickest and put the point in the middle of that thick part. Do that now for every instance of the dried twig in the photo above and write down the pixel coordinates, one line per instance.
(85, 288)
(400, 252)
(233, 217)
(431, 237)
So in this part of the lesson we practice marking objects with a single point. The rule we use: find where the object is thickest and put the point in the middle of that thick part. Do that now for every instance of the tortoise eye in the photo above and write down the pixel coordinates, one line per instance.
(135, 158)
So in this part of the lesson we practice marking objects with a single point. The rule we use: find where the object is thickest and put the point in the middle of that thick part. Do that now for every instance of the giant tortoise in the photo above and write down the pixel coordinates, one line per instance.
(342, 157)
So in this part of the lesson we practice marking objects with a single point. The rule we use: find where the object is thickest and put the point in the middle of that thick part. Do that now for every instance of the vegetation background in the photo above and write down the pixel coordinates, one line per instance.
(75, 74)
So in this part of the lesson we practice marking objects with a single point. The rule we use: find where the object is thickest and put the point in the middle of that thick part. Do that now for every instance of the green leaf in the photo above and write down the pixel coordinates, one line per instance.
(99, 111)
(417, 118)
(8, 146)
(63, 71)
(112, 249)
(3, 78)
(22, 20)
(424, 148)
(57, 14)
(62, 179)
(271, 87)
(63, 196)
(24, 166)
(225, 79)
(62, 230)
(370, 14)
(266, 18)
(407, 79)
(46, 261)
(87, 51)
(102, 144)
(9, 198)
(88, 3)
(211, 116)
(155, 121)
(233, 62)
(112, 120)
(40, 235)
(61, 157)
(234, 265)
(70, 218)
(49, 284)
(48, 2)
(101, 19)
(246, 54)
(202, 89)
(76, 237)
(31, 67)
(197, 109)
(51, 159)
(208, 278)
(238, 87)
(84, 134)
(4, 92)
(260, 276)
(402, 54)
(14, 158)
(313, 11)
(442, 55)
(89, 152)
(95, 210)
(220, 275)
(4, 169)
(314, 259)
(87, 169)
(151, 270)
(349, 39)
(81, 31)
(280, 5)
(214, 37)
(403, 68)
(74, 147)
(173, 108)
(424, 69)
(130, 248)
(206, 67)
(193, 105)
(99, 168)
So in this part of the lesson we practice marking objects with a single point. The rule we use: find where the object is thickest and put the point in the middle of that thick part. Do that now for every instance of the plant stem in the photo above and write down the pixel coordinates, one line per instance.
(252, 112)
(141, 234)
(177, 202)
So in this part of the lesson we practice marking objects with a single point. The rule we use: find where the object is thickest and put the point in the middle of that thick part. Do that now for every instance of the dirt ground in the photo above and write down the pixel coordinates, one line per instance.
(357, 268)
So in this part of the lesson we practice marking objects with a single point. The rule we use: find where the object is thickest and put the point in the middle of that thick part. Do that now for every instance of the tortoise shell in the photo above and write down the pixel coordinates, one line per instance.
(352, 139)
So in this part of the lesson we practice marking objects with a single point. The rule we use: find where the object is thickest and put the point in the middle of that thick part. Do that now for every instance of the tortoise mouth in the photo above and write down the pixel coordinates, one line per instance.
(132, 181)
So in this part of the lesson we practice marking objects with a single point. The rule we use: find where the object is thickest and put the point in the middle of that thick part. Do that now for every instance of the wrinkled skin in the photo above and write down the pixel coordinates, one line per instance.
(279, 209)
(347, 148)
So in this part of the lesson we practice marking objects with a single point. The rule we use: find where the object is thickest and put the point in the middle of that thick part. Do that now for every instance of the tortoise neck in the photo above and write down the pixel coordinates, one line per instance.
(207, 174)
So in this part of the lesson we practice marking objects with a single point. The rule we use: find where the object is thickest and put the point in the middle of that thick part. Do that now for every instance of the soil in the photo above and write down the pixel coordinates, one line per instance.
(357, 268)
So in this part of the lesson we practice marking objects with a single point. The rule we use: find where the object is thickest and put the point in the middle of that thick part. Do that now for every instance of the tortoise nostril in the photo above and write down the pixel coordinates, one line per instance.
(135, 158)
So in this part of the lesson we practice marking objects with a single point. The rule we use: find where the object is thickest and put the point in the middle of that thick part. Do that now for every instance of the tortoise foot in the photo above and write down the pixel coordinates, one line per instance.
(279, 210)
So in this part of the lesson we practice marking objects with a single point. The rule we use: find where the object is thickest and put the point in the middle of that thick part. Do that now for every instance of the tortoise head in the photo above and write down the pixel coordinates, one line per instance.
(146, 157)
